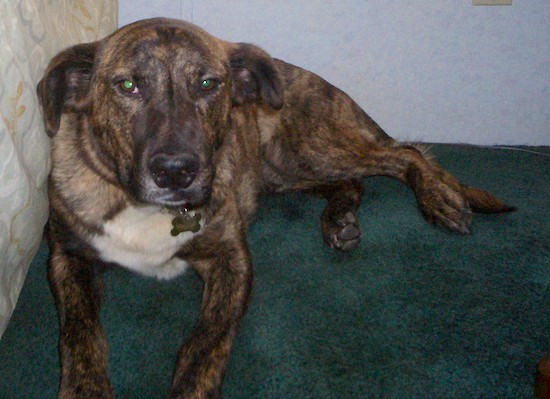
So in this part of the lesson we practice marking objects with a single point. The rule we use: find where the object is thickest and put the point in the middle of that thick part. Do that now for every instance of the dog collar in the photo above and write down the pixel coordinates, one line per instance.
(185, 220)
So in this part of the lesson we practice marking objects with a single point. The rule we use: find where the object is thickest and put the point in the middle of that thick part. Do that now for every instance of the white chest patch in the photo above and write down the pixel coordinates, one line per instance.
(139, 239)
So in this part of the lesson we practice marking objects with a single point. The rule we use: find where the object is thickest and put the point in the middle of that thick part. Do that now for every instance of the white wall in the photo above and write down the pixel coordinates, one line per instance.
(426, 70)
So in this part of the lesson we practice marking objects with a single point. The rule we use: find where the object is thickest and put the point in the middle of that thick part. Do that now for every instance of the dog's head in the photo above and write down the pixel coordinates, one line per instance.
(154, 103)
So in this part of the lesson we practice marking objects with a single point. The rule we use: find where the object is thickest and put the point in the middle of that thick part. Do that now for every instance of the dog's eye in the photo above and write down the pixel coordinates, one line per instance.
(208, 84)
(128, 86)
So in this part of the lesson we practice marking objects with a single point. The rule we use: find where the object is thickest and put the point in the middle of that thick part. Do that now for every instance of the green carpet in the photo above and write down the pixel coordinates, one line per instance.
(414, 312)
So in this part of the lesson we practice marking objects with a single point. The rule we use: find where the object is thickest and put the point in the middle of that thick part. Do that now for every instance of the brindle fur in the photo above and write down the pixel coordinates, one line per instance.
(267, 127)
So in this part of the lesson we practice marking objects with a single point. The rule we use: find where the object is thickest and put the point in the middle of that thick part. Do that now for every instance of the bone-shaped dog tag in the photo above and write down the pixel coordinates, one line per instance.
(186, 222)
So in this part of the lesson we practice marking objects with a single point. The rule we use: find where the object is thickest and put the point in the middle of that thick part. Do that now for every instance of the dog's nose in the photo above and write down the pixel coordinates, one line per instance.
(173, 171)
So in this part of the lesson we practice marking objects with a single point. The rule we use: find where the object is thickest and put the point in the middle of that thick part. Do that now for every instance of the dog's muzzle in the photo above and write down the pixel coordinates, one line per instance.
(173, 180)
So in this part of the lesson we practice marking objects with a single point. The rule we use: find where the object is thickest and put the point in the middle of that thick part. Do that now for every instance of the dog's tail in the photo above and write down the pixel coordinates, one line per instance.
(484, 202)
(479, 200)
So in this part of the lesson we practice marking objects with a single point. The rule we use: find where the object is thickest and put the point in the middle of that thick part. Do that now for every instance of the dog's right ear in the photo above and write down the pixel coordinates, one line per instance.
(65, 83)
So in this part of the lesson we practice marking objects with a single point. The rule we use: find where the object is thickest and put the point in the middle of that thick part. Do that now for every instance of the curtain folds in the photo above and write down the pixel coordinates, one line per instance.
(31, 33)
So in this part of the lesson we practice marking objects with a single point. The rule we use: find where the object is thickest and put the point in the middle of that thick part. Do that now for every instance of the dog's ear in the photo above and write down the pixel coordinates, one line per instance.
(255, 77)
(65, 83)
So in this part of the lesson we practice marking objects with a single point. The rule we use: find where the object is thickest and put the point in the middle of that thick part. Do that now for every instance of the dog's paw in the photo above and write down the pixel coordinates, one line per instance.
(446, 207)
(342, 232)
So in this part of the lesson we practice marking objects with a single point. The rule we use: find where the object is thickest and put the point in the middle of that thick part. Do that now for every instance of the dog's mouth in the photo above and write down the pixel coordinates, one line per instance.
(174, 198)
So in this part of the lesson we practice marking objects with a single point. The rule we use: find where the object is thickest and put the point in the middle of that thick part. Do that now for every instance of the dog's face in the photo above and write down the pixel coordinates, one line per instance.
(156, 99)
(165, 92)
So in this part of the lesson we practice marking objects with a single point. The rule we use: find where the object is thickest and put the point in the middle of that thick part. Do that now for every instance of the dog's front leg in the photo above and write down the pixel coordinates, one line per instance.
(82, 344)
(201, 364)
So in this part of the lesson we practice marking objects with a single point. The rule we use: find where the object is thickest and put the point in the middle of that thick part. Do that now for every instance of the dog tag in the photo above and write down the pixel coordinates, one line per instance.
(186, 222)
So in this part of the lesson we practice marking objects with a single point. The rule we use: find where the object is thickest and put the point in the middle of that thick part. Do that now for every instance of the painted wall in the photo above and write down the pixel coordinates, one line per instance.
(435, 71)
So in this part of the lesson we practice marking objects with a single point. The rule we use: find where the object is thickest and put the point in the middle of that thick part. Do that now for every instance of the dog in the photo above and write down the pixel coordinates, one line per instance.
(163, 139)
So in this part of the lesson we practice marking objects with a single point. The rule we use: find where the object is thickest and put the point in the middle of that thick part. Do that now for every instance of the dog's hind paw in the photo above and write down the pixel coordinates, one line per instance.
(446, 207)
(342, 233)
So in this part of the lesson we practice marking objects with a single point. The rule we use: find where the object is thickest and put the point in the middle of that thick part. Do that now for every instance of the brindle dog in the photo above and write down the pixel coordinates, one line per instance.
(164, 137)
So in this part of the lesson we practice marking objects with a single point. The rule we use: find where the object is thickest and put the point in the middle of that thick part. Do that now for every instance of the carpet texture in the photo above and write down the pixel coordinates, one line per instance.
(414, 312)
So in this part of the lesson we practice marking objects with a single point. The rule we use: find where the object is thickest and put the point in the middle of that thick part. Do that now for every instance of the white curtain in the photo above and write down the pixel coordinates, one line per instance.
(31, 33)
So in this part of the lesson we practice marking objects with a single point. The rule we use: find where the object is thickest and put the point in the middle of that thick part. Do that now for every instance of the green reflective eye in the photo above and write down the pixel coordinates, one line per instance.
(128, 86)
(208, 84)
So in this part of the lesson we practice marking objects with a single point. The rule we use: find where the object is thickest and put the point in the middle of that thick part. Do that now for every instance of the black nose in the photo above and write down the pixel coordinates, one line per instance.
(173, 171)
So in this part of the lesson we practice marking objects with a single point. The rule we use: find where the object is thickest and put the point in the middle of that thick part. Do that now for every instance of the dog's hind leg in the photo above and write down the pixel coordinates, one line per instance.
(345, 155)
(339, 223)
(441, 201)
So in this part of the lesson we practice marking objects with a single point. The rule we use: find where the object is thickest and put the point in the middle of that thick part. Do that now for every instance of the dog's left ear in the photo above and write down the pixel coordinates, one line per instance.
(255, 77)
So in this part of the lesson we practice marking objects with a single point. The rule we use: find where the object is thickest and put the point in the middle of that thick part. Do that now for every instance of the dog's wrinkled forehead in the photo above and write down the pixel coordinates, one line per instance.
(170, 42)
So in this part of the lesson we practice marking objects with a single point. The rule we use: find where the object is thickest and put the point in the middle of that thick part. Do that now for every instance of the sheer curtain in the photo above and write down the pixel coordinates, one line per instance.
(31, 33)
